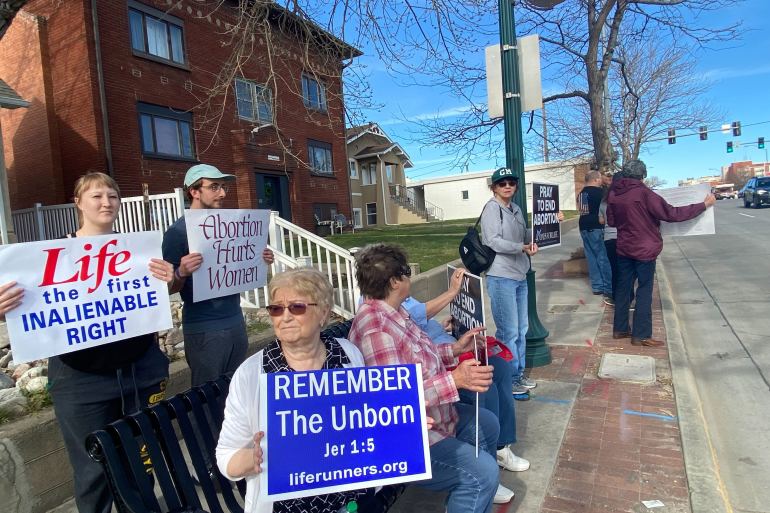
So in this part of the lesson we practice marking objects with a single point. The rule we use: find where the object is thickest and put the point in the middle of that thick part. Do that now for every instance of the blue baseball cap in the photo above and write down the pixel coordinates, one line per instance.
(199, 171)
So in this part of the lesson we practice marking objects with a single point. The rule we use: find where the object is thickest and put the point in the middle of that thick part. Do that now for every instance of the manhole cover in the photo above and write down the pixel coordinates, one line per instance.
(627, 367)
(563, 308)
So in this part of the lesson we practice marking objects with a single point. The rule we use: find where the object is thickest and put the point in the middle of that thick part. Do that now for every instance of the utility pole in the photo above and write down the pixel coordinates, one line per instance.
(538, 353)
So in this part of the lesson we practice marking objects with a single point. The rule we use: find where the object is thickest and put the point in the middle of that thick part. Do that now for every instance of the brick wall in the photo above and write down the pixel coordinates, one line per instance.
(220, 137)
(29, 134)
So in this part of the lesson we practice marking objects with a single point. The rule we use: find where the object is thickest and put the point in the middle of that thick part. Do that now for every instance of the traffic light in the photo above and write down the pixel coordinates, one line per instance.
(736, 128)
(761, 143)
(671, 136)
(703, 132)
(729, 146)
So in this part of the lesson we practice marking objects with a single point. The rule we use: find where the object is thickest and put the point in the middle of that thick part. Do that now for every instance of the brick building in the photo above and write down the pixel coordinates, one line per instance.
(125, 89)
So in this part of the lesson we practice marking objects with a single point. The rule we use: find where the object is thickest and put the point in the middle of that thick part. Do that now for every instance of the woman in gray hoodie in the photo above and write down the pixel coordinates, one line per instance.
(504, 229)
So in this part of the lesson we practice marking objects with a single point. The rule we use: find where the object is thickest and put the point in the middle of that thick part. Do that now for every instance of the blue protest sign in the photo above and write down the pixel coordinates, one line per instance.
(342, 429)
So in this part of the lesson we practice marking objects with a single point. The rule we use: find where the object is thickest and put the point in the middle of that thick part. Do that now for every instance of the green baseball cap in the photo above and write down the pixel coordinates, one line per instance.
(503, 173)
(199, 171)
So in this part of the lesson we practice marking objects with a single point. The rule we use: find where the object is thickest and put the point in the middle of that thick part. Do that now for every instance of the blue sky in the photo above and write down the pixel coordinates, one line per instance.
(740, 73)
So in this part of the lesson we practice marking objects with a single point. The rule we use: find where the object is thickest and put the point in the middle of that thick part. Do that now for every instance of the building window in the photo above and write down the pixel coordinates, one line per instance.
(464, 194)
(313, 93)
(369, 173)
(324, 211)
(165, 132)
(320, 157)
(357, 221)
(254, 101)
(389, 172)
(371, 214)
(353, 168)
(155, 33)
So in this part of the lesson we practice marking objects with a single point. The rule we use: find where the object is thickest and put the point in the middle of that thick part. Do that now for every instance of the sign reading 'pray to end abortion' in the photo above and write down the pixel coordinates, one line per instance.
(342, 429)
(546, 229)
(83, 292)
(231, 243)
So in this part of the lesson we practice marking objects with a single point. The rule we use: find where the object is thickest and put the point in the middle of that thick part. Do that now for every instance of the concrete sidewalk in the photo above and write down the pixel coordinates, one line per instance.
(595, 445)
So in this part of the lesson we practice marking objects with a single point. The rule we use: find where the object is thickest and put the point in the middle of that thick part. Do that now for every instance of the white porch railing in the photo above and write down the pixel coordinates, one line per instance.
(54, 221)
(295, 247)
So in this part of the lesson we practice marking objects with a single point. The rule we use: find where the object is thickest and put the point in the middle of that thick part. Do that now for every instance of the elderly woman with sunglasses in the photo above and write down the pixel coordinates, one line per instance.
(386, 335)
(504, 229)
(300, 303)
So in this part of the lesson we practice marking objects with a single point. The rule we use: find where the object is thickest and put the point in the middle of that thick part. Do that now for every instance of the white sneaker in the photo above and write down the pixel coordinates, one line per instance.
(509, 461)
(527, 383)
(503, 495)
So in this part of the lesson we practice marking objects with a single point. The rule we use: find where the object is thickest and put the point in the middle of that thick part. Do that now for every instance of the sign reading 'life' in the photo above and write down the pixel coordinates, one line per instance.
(83, 292)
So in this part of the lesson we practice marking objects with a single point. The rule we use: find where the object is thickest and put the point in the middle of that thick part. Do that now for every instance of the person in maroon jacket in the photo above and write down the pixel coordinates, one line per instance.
(636, 211)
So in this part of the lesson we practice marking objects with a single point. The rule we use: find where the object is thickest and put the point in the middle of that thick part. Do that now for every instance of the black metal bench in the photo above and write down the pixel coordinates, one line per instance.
(190, 421)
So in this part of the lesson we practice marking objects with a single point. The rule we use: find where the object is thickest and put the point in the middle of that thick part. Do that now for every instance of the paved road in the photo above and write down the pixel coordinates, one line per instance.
(721, 290)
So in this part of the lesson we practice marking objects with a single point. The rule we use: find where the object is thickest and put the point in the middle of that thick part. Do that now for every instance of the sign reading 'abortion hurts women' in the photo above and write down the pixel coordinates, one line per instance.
(83, 292)
(354, 427)
(231, 243)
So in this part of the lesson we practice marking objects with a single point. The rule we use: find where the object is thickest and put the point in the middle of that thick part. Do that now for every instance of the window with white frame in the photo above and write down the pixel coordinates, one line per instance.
(156, 34)
(313, 93)
(389, 172)
(320, 157)
(369, 173)
(165, 132)
(371, 214)
(357, 220)
(353, 168)
(254, 101)
(464, 194)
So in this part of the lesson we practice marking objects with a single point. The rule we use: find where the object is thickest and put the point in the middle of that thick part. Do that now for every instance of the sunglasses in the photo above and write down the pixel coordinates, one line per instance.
(405, 271)
(507, 183)
(294, 309)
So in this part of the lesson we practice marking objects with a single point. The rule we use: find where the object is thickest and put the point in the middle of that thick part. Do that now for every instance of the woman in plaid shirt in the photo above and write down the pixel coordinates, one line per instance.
(385, 334)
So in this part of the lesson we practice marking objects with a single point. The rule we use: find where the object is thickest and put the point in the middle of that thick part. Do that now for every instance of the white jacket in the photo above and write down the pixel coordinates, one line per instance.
(242, 420)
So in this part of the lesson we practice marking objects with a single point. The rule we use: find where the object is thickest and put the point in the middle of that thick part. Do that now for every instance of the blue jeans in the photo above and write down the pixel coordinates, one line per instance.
(499, 400)
(599, 269)
(470, 481)
(509, 309)
(628, 268)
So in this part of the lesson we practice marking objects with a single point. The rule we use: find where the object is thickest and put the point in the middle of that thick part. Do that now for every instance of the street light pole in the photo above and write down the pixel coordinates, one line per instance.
(538, 353)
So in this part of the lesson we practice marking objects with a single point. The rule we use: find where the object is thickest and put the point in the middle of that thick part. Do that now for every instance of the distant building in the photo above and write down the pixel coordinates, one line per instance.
(120, 90)
(740, 172)
(461, 196)
(376, 166)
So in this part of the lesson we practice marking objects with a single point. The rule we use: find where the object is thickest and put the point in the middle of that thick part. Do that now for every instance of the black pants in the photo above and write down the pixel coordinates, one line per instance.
(85, 402)
(612, 255)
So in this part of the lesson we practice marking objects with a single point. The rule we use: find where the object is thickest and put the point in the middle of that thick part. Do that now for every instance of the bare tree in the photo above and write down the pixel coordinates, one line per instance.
(439, 42)
(656, 88)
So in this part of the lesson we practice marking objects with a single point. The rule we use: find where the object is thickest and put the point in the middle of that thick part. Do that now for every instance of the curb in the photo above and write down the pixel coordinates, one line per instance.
(707, 491)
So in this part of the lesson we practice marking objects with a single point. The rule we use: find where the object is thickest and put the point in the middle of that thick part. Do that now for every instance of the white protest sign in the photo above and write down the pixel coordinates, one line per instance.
(681, 196)
(231, 242)
(83, 292)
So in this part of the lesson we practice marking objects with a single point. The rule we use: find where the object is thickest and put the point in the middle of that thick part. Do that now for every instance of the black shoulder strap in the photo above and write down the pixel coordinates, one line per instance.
(476, 225)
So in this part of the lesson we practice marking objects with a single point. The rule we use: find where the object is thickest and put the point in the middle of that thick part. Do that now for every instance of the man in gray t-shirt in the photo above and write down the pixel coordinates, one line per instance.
(215, 338)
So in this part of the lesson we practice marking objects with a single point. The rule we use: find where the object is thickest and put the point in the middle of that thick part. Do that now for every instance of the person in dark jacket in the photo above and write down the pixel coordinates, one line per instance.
(636, 211)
